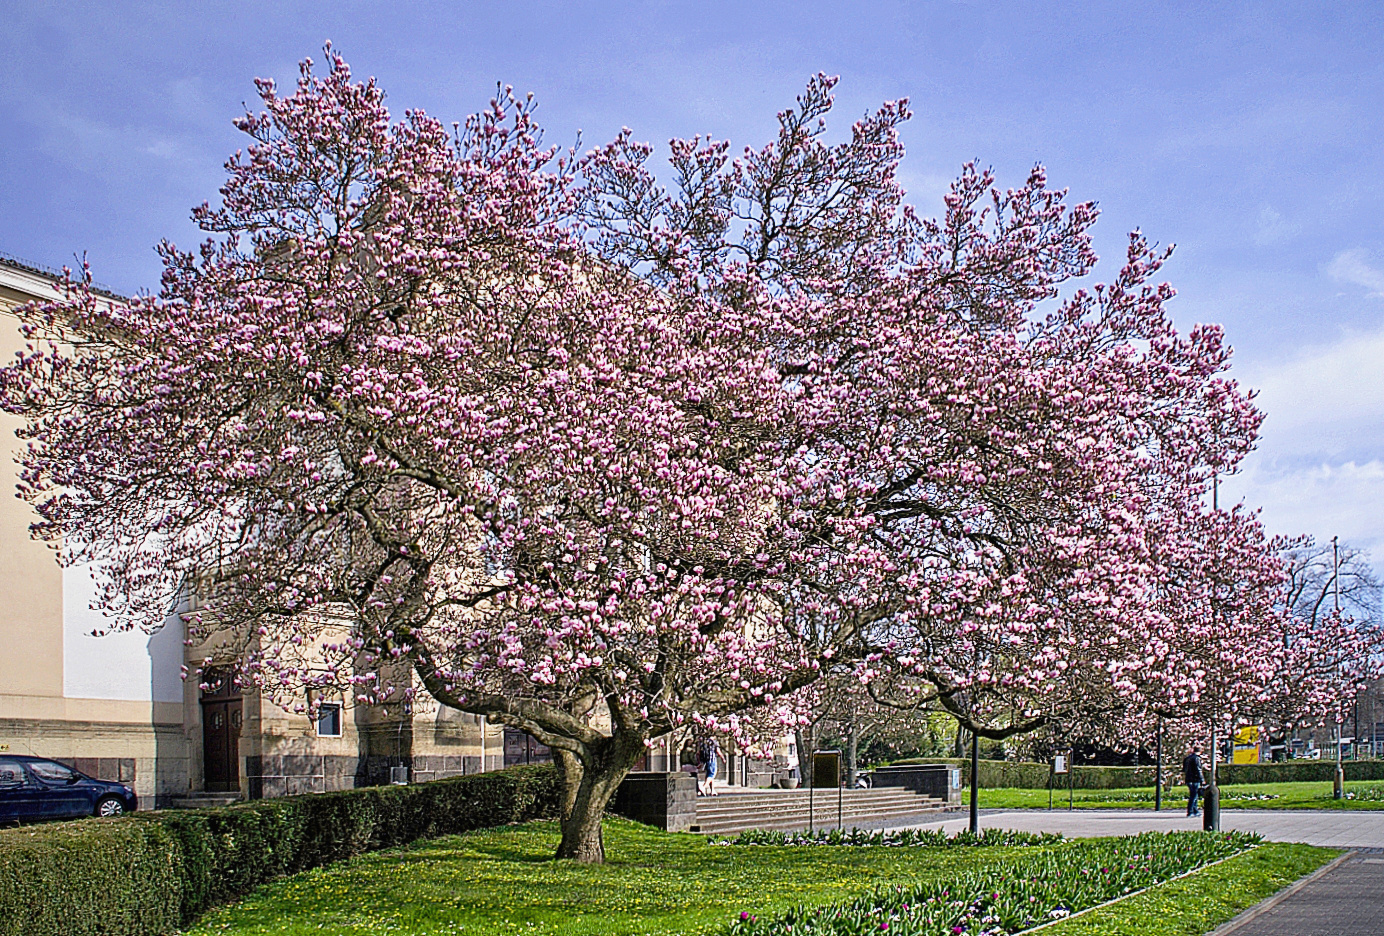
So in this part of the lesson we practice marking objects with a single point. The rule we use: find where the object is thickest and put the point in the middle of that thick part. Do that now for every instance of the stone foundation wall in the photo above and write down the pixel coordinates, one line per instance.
(666, 800)
(293, 774)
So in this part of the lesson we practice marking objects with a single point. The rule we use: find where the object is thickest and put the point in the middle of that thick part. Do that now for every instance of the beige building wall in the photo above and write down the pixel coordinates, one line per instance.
(63, 694)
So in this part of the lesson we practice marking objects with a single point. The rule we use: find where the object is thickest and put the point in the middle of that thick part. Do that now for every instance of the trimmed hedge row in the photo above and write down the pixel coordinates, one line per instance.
(1033, 776)
(152, 873)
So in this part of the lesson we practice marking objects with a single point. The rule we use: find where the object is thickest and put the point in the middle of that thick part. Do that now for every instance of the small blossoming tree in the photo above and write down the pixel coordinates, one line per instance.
(456, 413)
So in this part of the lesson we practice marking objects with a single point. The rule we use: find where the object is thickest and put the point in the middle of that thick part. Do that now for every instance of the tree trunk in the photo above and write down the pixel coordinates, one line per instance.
(601, 773)
(569, 774)
(804, 741)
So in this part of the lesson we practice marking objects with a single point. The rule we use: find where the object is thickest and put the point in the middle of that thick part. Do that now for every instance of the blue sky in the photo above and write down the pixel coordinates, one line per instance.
(1249, 135)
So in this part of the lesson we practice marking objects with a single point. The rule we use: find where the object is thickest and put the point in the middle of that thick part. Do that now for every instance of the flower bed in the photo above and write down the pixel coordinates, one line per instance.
(901, 838)
(1010, 896)
(1147, 796)
(1369, 794)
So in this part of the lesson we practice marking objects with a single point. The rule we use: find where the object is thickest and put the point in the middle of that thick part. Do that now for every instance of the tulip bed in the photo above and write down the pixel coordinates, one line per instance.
(900, 838)
(1365, 794)
(1009, 896)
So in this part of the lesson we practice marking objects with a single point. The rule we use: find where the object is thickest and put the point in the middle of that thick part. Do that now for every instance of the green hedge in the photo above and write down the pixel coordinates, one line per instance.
(1298, 770)
(152, 873)
(1032, 776)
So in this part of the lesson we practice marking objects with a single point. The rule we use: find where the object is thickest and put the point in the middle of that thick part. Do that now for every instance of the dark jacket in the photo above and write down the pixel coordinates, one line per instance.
(1191, 769)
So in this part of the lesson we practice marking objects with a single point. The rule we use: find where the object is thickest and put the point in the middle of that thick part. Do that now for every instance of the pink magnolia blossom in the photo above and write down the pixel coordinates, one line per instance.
(463, 415)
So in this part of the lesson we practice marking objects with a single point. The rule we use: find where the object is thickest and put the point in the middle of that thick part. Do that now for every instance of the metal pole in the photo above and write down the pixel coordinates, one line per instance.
(1339, 783)
(1158, 770)
(1214, 812)
(975, 783)
(811, 784)
(840, 793)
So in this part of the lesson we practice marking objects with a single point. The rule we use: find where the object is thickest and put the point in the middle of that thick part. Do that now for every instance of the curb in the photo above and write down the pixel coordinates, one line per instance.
(1268, 903)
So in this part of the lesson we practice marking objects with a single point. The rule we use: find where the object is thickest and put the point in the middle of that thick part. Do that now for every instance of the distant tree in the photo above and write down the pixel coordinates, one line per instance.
(469, 416)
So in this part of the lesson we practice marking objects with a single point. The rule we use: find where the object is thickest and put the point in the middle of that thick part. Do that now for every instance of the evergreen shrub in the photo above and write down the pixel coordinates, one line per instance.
(150, 874)
(996, 775)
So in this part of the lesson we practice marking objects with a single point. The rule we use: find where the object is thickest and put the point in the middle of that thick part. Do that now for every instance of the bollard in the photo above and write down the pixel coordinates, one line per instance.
(1211, 809)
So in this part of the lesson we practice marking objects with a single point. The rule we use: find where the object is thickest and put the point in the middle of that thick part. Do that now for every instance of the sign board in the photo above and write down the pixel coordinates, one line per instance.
(826, 769)
(4, 747)
(1246, 745)
(1059, 764)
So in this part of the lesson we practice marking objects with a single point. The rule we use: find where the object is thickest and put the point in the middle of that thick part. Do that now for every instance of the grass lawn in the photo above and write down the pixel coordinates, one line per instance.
(503, 881)
(1313, 795)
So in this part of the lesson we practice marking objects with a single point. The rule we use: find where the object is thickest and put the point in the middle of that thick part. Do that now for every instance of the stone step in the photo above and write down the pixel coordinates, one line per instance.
(882, 798)
(787, 810)
(708, 810)
(822, 820)
(203, 800)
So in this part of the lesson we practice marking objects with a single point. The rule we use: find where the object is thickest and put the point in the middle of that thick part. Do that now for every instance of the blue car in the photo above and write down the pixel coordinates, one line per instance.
(33, 789)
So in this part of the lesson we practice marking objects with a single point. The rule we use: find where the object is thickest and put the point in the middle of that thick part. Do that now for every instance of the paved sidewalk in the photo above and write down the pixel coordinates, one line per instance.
(1346, 901)
(1333, 829)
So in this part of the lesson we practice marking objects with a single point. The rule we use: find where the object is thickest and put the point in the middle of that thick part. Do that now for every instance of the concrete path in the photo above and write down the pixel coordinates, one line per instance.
(1315, 827)
(1348, 900)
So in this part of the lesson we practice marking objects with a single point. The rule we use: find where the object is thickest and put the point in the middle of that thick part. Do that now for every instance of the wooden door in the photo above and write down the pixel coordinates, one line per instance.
(221, 720)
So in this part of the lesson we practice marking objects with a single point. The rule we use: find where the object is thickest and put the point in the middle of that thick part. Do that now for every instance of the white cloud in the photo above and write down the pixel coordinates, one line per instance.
(1319, 468)
(1327, 400)
(1325, 500)
(1354, 267)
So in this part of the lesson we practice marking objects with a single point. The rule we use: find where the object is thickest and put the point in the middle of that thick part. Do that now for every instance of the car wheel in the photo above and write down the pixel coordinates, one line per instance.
(110, 806)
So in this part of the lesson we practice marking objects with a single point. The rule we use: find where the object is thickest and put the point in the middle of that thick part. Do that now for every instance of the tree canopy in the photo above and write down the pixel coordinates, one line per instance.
(598, 455)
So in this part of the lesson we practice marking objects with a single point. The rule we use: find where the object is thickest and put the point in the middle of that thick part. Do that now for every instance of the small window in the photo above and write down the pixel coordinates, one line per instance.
(329, 720)
(12, 775)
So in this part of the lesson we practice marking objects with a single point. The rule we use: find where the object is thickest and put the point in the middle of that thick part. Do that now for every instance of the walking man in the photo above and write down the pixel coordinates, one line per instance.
(1191, 773)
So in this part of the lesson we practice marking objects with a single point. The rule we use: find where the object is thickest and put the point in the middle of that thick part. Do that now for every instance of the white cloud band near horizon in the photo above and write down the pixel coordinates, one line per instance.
(1319, 468)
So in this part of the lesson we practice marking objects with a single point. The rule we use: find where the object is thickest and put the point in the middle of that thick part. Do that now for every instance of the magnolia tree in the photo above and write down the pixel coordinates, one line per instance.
(1249, 638)
(457, 413)
(1330, 653)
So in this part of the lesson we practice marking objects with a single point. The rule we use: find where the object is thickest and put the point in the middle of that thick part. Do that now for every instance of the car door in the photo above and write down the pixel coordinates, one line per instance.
(64, 794)
(19, 794)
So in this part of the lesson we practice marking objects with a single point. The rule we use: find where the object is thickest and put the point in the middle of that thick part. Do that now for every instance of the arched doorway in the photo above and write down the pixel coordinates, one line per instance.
(221, 721)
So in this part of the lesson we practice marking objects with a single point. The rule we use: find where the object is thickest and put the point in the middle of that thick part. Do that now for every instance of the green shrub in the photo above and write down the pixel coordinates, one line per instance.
(1296, 771)
(154, 872)
(996, 775)
(102, 876)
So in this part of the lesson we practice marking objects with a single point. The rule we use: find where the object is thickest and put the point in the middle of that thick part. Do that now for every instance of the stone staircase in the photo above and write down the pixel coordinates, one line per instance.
(735, 811)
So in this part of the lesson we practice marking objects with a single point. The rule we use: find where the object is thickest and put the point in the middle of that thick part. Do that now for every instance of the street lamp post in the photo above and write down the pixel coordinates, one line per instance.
(1339, 785)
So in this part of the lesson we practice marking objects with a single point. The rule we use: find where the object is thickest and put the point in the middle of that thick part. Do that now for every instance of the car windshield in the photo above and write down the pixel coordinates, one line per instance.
(50, 772)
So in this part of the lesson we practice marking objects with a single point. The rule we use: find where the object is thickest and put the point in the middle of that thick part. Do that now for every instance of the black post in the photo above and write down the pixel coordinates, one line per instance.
(1158, 771)
(975, 783)
(1071, 781)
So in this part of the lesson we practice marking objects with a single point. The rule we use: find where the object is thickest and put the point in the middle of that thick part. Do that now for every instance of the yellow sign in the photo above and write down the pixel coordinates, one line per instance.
(1246, 745)
(4, 747)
